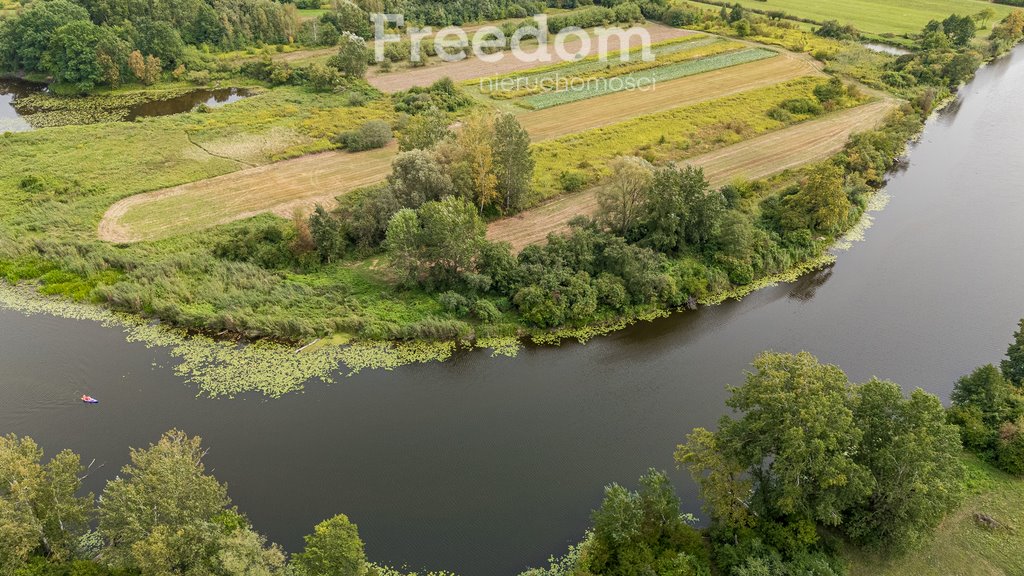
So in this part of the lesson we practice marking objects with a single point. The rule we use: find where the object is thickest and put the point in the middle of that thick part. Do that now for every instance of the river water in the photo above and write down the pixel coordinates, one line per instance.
(483, 465)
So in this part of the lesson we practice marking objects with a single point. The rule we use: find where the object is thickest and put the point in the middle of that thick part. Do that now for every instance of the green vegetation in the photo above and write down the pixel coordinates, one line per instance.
(981, 537)
(648, 77)
(163, 515)
(875, 16)
(672, 135)
(343, 272)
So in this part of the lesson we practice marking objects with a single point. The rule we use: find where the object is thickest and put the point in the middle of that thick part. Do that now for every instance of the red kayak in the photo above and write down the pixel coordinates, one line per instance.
(90, 400)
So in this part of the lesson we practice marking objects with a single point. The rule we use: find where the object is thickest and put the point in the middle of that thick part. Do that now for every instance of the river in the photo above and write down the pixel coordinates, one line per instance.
(484, 466)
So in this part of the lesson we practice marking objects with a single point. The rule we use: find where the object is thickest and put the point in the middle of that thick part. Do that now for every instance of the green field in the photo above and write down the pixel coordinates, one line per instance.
(878, 16)
(961, 546)
(649, 77)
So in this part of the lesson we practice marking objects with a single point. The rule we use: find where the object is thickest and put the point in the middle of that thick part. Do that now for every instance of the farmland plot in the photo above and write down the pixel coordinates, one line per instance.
(755, 158)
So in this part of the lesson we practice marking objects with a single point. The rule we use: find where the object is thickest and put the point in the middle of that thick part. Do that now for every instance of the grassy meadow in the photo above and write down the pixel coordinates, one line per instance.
(962, 546)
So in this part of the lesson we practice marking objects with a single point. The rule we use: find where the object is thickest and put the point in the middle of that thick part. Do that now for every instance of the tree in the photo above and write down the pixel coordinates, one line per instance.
(960, 29)
(74, 55)
(137, 65)
(333, 549)
(643, 532)
(914, 459)
(153, 70)
(417, 176)
(724, 485)
(424, 130)
(39, 508)
(984, 17)
(475, 158)
(820, 204)
(327, 235)
(323, 78)
(680, 209)
(160, 515)
(513, 162)
(621, 200)
(1013, 366)
(438, 243)
(796, 438)
(25, 39)
(352, 55)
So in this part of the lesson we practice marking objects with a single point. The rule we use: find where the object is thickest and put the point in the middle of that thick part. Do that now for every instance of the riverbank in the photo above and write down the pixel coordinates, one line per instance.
(180, 282)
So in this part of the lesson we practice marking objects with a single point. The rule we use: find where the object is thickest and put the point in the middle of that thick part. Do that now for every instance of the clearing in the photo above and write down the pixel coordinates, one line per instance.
(877, 16)
(755, 158)
(962, 546)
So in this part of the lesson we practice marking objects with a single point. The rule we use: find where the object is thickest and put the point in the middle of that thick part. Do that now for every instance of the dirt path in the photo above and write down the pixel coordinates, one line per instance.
(472, 68)
(755, 158)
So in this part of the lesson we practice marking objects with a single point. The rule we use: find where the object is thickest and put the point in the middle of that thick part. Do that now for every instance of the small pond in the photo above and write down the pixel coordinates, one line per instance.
(11, 90)
(185, 102)
(15, 118)
(886, 48)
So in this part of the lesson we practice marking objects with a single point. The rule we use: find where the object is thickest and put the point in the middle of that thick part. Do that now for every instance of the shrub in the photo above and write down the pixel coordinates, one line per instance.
(370, 135)
(572, 181)
(454, 302)
(486, 311)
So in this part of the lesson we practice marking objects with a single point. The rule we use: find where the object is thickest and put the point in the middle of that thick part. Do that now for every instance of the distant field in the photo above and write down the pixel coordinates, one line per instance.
(647, 77)
(310, 13)
(472, 68)
(877, 16)
(755, 158)
(621, 106)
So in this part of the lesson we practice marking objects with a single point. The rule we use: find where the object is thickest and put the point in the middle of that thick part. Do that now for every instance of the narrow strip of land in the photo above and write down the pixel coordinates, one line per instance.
(621, 106)
(755, 158)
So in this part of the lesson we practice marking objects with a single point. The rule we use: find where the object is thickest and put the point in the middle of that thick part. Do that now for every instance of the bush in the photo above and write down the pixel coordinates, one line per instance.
(370, 135)
(572, 181)
(802, 106)
(486, 311)
(454, 302)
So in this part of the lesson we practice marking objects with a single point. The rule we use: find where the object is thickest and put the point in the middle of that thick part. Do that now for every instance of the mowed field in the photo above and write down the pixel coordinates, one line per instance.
(279, 188)
(285, 186)
(755, 158)
(876, 16)
(303, 182)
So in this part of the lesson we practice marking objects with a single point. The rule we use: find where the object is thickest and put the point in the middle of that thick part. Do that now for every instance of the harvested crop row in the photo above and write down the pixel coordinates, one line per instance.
(622, 106)
(611, 66)
(647, 78)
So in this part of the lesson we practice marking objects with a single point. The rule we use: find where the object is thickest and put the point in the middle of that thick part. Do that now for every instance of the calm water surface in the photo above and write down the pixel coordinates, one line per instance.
(484, 465)
(13, 120)
(11, 90)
